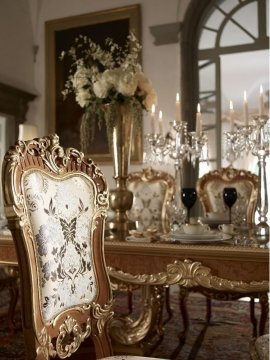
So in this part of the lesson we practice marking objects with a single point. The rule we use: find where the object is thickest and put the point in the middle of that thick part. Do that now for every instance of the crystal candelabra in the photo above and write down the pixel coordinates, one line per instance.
(177, 146)
(254, 138)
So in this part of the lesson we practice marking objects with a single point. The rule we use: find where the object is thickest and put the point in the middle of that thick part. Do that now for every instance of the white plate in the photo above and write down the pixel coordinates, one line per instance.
(205, 235)
(202, 238)
(138, 239)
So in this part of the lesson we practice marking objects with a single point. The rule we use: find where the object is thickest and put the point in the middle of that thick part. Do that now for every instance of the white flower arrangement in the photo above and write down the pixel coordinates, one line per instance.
(99, 77)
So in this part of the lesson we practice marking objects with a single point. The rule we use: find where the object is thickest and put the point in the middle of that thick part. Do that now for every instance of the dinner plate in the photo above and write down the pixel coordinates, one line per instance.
(202, 238)
(138, 239)
(204, 235)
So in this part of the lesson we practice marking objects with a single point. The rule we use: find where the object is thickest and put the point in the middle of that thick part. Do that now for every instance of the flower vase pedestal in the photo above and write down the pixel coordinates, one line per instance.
(121, 198)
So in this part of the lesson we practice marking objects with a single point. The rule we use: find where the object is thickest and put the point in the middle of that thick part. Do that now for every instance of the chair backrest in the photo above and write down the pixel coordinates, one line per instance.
(152, 189)
(210, 192)
(55, 203)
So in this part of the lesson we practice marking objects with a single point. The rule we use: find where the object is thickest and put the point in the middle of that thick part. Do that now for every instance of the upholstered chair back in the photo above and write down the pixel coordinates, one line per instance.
(210, 192)
(152, 189)
(55, 203)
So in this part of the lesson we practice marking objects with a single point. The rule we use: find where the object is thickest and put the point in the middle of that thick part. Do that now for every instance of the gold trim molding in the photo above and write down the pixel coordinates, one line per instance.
(189, 274)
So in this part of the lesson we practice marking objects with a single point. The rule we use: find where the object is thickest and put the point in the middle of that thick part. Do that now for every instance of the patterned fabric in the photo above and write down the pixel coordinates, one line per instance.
(148, 199)
(61, 232)
(239, 209)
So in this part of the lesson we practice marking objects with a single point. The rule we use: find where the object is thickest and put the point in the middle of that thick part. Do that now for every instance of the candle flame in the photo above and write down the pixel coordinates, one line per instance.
(153, 108)
(198, 108)
(160, 114)
(231, 105)
(245, 95)
(177, 97)
(261, 90)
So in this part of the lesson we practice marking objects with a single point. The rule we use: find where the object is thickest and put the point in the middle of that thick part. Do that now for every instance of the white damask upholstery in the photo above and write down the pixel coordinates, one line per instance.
(59, 214)
(147, 203)
(151, 190)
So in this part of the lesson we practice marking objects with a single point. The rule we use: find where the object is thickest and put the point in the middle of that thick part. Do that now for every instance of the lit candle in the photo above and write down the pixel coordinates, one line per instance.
(160, 122)
(198, 119)
(153, 118)
(261, 103)
(231, 116)
(245, 111)
(178, 108)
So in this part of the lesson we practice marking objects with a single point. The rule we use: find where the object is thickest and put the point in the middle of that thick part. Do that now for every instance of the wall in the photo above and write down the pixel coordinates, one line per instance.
(16, 56)
(23, 22)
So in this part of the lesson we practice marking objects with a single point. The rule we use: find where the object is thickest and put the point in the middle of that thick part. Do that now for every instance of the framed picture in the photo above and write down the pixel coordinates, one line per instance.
(64, 116)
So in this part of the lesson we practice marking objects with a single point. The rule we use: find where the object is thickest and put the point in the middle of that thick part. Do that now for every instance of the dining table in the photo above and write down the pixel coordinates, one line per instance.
(232, 266)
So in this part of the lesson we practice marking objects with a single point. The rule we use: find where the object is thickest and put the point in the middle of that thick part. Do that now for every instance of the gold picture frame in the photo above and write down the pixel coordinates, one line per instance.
(64, 116)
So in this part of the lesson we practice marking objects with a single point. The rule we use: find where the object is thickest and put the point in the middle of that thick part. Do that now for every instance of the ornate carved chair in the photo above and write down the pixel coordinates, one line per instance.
(152, 189)
(55, 203)
(209, 189)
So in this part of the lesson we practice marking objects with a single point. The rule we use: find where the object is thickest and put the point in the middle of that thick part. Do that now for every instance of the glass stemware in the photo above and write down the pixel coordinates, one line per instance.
(189, 197)
(229, 197)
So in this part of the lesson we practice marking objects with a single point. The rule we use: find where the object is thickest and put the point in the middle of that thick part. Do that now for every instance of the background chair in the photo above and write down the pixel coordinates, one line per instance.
(209, 189)
(152, 189)
(65, 289)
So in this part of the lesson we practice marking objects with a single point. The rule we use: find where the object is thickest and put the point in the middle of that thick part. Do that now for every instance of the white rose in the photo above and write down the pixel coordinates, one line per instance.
(127, 84)
(101, 88)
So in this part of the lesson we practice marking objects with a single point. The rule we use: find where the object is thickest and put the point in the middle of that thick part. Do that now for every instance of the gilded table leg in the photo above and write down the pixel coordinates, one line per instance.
(208, 309)
(128, 331)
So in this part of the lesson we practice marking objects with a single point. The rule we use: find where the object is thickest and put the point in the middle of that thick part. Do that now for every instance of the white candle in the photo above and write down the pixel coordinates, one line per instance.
(245, 109)
(261, 103)
(198, 119)
(153, 118)
(160, 123)
(231, 117)
(178, 108)
(177, 142)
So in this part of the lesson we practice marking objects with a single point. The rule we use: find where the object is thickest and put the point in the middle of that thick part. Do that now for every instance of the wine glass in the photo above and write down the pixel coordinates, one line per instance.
(229, 197)
(189, 197)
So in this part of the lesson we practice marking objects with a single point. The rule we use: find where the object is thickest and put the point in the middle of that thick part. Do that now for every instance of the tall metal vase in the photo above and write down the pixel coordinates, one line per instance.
(121, 198)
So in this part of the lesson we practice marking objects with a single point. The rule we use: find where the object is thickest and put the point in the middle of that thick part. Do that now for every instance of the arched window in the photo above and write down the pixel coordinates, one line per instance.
(224, 51)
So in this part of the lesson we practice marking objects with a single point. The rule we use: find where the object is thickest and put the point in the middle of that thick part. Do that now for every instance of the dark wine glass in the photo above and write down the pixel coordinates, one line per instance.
(229, 197)
(189, 197)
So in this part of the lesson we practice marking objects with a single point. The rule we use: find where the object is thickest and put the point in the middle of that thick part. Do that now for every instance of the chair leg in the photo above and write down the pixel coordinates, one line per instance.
(130, 302)
(183, 294)
(208, 309)
(264, 312)
(253, 317)
(168, 303)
